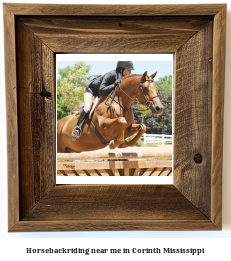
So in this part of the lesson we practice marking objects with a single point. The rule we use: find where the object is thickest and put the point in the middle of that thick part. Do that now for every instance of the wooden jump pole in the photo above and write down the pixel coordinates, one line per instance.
(117, 155)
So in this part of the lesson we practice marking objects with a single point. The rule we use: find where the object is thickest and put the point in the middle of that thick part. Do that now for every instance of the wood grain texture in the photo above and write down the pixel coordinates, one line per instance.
(12, 121)
(115, 34)
(193, 128)
(114, 10)
(98, 202)
(218, 114)
(92, 208)
(36, 107)
(194, 201)
(114, 225)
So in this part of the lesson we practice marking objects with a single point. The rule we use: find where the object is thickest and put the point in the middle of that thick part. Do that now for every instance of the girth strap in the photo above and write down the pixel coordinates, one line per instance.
(93, 128)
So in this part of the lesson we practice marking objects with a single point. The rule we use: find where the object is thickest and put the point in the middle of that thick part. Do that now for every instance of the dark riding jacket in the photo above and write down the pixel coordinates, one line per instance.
(103, 84)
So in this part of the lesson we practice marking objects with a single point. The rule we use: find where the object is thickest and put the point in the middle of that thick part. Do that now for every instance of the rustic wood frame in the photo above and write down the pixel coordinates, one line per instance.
(33, 34)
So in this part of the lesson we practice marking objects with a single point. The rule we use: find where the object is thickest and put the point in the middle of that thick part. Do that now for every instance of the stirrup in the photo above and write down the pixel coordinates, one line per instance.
(76, 133)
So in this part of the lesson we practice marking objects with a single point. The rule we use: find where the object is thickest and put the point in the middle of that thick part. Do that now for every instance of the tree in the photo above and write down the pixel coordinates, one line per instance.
(164, 85)
(161, 124)
(70, 87)
(62, 110)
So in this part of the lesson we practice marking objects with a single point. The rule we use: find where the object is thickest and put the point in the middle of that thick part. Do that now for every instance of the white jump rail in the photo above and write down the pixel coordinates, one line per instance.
(110, 155)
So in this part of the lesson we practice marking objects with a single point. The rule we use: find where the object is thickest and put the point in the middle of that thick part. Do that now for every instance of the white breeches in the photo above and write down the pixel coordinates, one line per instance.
(87, 101)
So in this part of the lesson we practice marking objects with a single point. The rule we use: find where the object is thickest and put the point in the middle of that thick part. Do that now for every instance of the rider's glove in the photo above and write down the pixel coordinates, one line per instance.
(117, 82)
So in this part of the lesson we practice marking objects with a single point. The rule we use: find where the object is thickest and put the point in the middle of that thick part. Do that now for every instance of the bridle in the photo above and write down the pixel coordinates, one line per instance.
(148, 102)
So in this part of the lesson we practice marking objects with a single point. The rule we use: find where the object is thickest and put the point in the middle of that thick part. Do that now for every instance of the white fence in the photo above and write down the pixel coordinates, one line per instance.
(156, 138)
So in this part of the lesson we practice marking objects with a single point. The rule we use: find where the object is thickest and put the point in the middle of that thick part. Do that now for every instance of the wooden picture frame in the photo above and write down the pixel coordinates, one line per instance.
(34, 33)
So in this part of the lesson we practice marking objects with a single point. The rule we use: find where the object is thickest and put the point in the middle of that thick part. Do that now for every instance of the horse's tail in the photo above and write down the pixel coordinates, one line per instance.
(60, 124)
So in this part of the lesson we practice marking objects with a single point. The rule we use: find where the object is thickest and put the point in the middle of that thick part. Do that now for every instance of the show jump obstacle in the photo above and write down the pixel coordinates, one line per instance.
(114, 164)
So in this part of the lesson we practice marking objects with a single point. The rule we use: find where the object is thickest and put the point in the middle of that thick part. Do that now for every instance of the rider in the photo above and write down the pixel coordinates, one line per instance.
(102, 84)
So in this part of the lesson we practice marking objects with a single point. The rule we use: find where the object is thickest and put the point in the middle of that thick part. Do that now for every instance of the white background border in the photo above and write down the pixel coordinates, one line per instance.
(114, 179)
(216, 243)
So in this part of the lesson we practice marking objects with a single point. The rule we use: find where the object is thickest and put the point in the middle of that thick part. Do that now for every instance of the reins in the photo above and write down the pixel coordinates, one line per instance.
(148, 102)
(112, 96)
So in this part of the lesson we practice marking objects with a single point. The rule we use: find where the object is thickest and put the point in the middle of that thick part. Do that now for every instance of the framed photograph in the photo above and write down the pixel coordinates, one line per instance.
(34, 36)
(146, 156)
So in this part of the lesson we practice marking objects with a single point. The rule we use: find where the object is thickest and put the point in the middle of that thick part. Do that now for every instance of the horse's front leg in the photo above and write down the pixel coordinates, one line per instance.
(140, 129)
(116, 128)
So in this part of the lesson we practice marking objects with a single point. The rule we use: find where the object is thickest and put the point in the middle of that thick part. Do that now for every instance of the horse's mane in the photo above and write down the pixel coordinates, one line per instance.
(131, 75)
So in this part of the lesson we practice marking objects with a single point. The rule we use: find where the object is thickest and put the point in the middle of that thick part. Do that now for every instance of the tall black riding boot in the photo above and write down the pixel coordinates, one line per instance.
(76, 133)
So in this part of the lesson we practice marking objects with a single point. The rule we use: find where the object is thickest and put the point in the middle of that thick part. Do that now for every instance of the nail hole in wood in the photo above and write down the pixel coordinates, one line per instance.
(198, 158)
(46, 94)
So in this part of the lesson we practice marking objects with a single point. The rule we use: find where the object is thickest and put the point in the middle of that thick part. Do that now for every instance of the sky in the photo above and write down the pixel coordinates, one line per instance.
(102, 63)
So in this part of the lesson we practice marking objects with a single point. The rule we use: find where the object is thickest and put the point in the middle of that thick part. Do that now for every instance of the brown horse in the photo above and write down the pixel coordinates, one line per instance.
(112, 117)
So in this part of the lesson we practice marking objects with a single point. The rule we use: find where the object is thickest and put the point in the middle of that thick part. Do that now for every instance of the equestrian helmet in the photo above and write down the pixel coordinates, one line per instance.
(124, 65)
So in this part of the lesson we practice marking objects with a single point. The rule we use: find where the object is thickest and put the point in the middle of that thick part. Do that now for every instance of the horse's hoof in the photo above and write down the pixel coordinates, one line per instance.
(143, 127)
(121, 145)
(111, 145)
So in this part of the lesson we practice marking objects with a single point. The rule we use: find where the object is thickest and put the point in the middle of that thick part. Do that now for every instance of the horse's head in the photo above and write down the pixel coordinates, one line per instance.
(147, 93)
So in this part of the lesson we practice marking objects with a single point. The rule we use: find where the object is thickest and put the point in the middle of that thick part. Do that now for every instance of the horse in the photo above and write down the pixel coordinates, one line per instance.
(112, 117)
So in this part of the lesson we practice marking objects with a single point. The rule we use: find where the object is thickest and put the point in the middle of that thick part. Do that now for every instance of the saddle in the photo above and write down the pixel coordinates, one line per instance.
(94, 102)
(89, 121)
